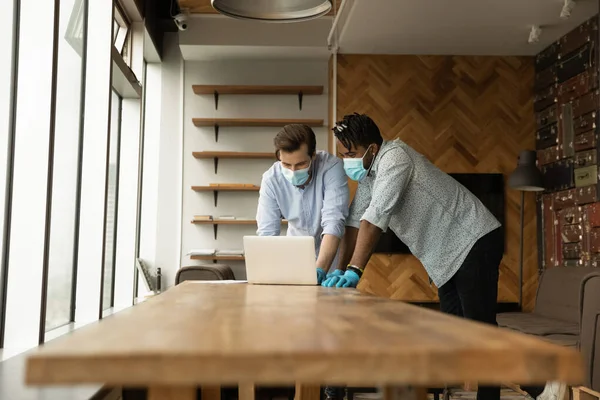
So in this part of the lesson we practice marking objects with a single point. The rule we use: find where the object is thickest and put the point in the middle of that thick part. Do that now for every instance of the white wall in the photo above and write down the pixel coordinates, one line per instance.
(201, 172)
(161, 191)
(168, 233)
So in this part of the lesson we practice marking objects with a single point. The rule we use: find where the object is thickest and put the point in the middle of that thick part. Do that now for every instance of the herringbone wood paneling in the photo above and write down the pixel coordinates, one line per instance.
(466, 114)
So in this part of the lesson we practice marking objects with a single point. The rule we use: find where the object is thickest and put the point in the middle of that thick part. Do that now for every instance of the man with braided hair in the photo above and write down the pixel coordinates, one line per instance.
(456, 238)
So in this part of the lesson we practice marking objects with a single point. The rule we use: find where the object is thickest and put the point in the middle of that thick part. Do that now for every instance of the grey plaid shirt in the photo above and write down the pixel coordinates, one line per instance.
(434, 215)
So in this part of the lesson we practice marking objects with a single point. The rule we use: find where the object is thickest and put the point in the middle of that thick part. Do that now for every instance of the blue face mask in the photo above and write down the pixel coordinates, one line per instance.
(355, 169)
(298, 177)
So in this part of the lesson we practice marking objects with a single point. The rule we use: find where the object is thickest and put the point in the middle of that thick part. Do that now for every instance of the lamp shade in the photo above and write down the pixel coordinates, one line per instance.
(526, 177)
(273, 10)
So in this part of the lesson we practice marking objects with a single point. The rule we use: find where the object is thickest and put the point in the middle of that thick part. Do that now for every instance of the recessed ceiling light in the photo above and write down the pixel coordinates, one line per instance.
(273, 10)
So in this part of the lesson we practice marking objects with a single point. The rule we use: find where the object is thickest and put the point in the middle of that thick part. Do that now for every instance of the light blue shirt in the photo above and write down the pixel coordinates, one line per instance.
(318, 209)
(435, 216)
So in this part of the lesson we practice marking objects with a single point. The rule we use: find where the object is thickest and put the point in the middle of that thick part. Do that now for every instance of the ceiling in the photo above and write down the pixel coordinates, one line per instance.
(444, 27)
(457, 27)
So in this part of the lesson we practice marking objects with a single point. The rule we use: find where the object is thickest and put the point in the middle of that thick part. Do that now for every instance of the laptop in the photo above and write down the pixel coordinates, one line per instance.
(280, 260)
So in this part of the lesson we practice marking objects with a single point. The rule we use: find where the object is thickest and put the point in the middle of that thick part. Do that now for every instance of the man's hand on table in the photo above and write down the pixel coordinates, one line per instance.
(320, 275)
(348, 280)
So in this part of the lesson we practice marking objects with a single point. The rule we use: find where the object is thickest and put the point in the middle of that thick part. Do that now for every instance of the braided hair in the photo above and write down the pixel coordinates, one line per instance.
(357, 130)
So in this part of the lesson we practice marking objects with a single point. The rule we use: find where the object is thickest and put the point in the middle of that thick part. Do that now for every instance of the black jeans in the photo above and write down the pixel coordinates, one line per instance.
(472, 292)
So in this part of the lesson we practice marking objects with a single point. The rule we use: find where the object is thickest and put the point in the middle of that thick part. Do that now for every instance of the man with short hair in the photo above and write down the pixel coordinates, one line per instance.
(456, 238)
(309, 188)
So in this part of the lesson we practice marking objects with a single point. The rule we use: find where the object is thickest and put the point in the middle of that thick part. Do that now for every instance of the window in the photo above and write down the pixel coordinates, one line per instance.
(75, 28)
(65, 172)
(121, 31)
(70, 240)
(140, 188)
(128, 202)
(112, 200)
(149, 208)
(30, 174)
(95, 147)
(6, 31)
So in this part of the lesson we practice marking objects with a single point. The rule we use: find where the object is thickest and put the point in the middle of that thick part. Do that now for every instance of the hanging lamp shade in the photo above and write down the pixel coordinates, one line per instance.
(526, 177)
(273, 10)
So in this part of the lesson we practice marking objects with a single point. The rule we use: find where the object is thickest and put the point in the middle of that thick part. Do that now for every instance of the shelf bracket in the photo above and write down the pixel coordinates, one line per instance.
(216, 194)
(216, 132)
(215, 229)
(300, 95)
(216, 100)
(216, 164)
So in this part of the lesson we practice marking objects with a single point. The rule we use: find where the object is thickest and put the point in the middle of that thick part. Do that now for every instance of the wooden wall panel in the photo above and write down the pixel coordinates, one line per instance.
(466, 114)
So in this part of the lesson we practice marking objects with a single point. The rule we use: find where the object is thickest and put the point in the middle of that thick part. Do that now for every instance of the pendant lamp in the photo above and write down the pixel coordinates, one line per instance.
(273, 10)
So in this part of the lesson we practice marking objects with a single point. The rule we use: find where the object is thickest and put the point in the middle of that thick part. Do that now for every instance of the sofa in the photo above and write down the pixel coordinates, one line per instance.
(567, 312)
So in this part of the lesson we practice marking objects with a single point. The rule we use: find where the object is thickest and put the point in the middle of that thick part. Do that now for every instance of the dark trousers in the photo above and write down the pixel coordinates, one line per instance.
(472, 292)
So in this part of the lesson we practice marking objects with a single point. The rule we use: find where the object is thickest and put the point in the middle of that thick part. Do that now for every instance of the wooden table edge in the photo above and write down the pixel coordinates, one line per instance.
(47, 369)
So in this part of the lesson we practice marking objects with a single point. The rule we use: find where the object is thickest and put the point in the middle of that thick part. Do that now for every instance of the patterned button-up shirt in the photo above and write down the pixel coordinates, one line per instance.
(315, 210)
(434, 215)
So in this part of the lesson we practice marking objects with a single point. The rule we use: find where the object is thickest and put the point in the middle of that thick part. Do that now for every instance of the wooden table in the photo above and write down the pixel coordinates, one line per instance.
(199, 334)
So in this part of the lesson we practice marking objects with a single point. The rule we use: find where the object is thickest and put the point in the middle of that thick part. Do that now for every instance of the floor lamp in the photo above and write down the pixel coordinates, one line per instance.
(525, 178)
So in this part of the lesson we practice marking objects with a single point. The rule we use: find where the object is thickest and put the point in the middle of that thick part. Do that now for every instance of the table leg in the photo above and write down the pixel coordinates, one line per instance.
(211, 392)
(404, 393)
(307, 392)
(246, 391)
(171, 393)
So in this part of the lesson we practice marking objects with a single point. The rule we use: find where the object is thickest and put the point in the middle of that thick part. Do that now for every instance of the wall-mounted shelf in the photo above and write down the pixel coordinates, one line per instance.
(252, 122)
(218, 258)
(215, 155)
(216, 222)
(217, 90)
(225, 188)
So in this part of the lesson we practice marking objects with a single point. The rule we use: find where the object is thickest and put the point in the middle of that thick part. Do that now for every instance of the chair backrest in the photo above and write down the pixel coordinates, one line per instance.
(214, 272)
(589, 341)
(559, 292)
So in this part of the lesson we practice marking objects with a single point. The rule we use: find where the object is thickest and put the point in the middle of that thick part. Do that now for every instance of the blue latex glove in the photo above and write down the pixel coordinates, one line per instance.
(320, 275)
(332, 278)
(350, 279)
